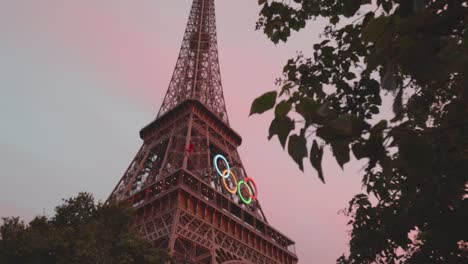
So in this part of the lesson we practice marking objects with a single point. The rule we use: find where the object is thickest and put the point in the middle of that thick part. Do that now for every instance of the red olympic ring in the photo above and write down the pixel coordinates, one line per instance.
(255, 187)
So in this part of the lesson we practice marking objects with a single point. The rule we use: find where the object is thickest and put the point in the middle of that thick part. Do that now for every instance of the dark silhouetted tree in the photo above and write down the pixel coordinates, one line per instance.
(413, 53)
(81, 231)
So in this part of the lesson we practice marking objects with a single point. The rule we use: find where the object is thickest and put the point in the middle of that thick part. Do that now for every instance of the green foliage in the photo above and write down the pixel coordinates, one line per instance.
(281, 127)
(80, 232)
(316, 154)
(414, 52)
(297, 149)
(263, 103)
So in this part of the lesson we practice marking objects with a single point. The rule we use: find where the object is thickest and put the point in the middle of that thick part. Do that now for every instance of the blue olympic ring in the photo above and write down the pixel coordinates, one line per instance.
(220, 173)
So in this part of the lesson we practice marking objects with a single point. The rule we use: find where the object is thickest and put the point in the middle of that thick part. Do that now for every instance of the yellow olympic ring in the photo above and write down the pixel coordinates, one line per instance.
(225, 183)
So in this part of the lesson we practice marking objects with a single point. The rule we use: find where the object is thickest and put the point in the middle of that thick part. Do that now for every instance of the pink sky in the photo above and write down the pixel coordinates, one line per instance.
(111, 62)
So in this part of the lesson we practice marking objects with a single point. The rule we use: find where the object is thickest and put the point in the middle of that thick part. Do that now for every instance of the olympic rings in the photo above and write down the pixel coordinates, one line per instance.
(226, 185)
(215, 161)
(253, 194)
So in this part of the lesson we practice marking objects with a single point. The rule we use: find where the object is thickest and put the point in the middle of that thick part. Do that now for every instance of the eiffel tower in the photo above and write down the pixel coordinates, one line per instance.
(187, 183)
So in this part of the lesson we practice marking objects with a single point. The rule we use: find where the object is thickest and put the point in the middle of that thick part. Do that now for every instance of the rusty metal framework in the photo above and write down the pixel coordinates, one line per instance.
(179, 198)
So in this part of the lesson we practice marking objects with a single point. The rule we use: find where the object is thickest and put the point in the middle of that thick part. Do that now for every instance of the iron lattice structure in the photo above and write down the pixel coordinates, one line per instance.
(182, 203)
(196, 74)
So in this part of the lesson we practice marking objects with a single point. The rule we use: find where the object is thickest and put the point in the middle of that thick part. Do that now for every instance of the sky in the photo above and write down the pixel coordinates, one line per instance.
(79, 79)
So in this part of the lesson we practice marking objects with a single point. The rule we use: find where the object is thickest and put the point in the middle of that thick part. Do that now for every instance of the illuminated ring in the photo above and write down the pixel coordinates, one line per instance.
(255, 187)
(240, 192)
(226, 185)
(227, 166)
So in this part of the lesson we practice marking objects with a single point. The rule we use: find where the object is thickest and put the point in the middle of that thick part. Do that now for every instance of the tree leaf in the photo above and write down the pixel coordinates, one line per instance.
(388, 79)
(350, 76)
(419, 6)
(334, 19)
(308, 109)
(360, 150)
(346, 125)
(416, 155)
(316, 154)
(263, 103)
(341, 125)
(341, 151)
(387, 6)
(286, 88)
(381, 125)
(282, 109)
(297, 149)
(375, 28)
(325, 134)
(324, 112)
(398, 106)
(281, 127)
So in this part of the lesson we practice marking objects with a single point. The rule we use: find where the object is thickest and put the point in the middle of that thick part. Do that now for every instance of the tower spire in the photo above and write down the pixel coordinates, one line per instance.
(196, 74)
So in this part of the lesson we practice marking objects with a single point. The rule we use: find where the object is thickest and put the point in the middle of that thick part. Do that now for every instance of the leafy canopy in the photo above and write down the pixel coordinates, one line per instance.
(80, 232)
(413, 54)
